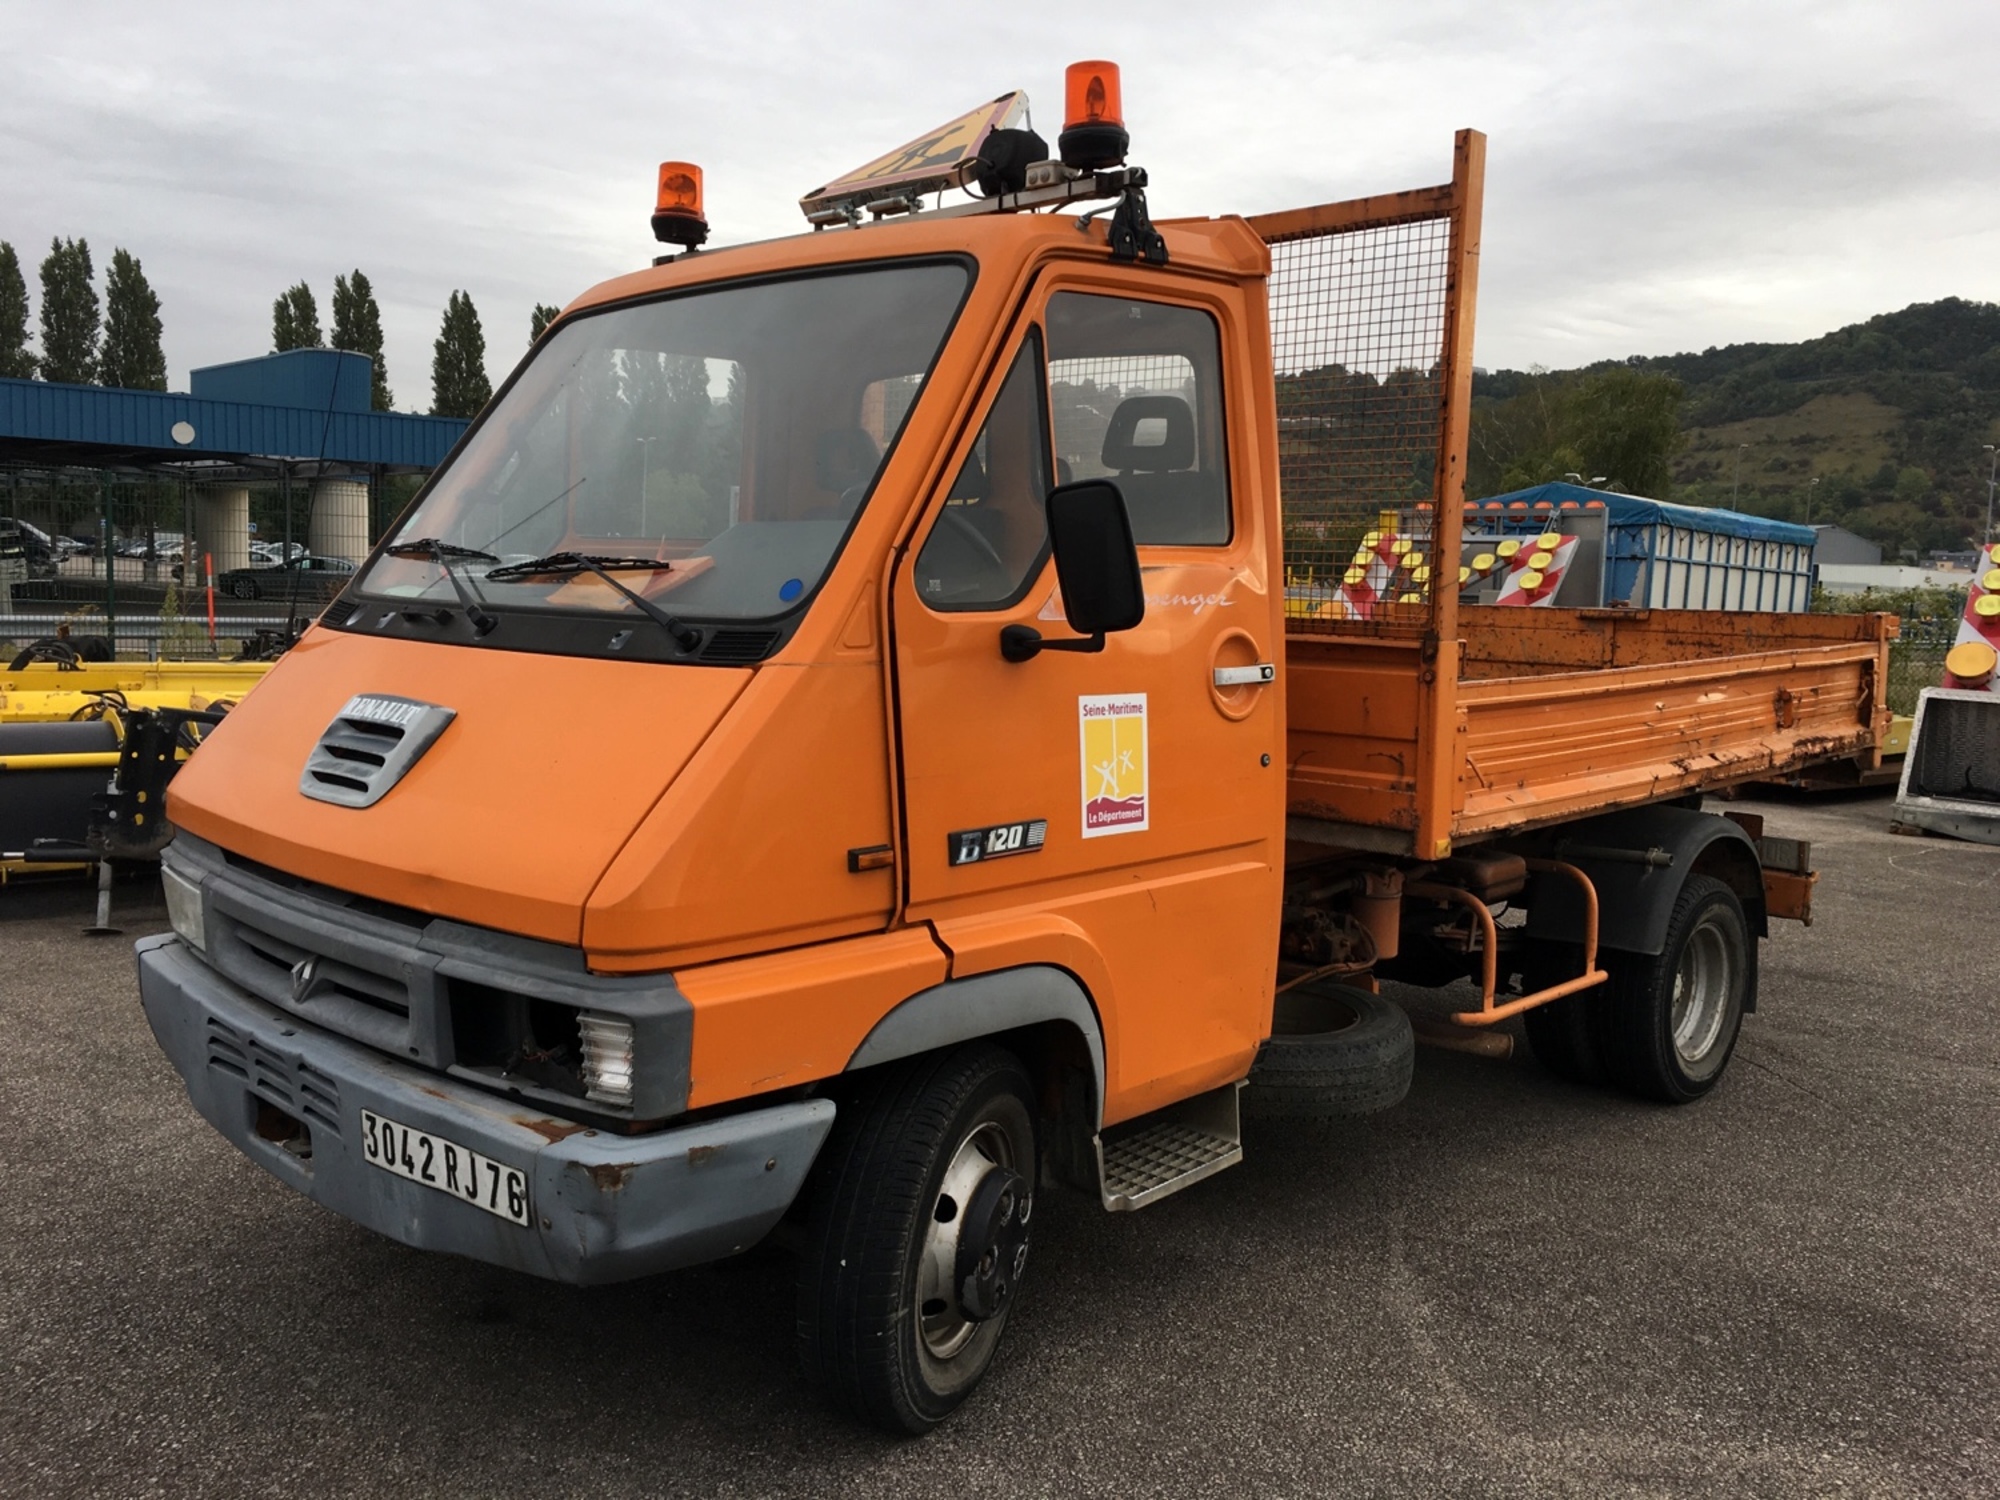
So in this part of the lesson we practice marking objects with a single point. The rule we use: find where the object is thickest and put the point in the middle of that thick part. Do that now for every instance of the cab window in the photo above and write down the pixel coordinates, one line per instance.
(1135, 389)
(988, 541)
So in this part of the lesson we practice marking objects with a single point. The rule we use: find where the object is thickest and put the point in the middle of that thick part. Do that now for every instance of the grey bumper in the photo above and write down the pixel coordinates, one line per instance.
(603, 1207)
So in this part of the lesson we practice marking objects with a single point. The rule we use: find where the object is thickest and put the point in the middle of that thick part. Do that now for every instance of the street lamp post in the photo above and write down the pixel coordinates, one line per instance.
(1991, 474)
(1736, 488)
(1811, 485)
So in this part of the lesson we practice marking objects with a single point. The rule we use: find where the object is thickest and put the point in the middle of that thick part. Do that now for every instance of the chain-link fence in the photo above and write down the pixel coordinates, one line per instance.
(1916, 661)
(195, 562)
(1370, 307)
(1357, 332)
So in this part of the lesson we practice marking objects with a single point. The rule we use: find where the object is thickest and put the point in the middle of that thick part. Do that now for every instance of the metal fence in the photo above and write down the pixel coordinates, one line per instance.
(1916, 661)
(1371, 313)
(193, 562)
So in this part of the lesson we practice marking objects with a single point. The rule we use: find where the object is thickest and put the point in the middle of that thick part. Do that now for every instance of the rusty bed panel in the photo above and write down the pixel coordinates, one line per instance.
(1560, 714)
(1541, 641)
(1541, 749)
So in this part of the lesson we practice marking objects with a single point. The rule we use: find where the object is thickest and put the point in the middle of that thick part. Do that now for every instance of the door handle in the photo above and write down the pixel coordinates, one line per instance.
(1251, 676)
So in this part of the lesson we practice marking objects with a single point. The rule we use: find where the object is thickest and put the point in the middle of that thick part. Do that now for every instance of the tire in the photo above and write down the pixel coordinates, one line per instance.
(1334, 1052)
(1563, 1033)
(244, 588)
(1667, 1024)
(930, 1152)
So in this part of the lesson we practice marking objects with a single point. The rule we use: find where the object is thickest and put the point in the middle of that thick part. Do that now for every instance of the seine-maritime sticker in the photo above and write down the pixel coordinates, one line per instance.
(1113, 731)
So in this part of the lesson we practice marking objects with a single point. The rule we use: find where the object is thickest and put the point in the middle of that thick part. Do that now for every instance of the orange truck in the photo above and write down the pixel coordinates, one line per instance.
(970, 697)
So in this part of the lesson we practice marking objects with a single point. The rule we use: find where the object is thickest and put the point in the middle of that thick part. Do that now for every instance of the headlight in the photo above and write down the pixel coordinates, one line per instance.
(607, 1056)
(184, 909)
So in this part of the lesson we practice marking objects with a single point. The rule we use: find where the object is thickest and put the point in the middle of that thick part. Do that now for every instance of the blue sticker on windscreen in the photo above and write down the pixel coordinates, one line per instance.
(790, 589)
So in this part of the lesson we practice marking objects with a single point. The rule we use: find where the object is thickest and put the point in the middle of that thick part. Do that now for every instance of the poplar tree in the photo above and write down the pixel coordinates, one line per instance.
(539, 320)
(459, 387)
(357, 327)
(132, 356)
(16, 361)
(295, 320)
(69, 314)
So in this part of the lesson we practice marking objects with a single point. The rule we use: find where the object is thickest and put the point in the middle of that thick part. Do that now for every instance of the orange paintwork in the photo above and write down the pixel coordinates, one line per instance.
(830, 996)
(507, 821)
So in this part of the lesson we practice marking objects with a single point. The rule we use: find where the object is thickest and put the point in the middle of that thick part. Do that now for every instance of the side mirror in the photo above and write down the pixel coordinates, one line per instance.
(1097, 566)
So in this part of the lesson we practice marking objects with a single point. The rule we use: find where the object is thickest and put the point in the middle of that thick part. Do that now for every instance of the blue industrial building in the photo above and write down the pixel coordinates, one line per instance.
(303, 406)
(109, 497)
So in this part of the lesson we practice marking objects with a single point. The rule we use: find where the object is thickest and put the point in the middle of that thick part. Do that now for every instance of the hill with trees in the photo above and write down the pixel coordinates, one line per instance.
(1878, 427)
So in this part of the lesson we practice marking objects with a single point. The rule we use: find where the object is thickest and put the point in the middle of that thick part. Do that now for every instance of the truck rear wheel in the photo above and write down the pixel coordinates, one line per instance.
(1334, 1052)
(918, 1236)
(1668, 1022)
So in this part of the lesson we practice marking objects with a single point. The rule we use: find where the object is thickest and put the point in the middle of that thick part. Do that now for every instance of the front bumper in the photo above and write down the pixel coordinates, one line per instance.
(603, 1207)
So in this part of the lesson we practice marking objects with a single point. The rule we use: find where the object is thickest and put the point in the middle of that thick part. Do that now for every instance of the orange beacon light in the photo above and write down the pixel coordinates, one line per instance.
(677, 216)
(1093, 133)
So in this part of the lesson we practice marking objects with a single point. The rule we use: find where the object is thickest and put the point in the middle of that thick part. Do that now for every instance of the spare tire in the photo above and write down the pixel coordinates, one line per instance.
(1334, 1052)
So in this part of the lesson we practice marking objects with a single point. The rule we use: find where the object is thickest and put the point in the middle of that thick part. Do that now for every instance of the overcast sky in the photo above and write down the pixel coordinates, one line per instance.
(1661, 177)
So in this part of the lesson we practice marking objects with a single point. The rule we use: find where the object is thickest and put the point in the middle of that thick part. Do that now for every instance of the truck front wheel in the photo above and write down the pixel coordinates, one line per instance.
(918, 1236)
(1669, 1022)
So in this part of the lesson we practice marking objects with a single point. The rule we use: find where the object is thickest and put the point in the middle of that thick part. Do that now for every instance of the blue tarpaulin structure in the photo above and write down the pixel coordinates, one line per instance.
(1664, 556)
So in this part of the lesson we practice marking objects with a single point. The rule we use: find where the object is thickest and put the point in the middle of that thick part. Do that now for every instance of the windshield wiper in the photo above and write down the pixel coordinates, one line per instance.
(443, 553)
(569, 564)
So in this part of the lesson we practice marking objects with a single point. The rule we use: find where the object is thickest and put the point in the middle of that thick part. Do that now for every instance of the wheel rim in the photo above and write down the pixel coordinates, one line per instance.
(1704, 982)
(941, 1324)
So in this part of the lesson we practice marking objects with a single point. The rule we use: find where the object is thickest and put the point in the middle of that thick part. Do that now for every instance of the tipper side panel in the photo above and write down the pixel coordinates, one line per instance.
(1372, 306)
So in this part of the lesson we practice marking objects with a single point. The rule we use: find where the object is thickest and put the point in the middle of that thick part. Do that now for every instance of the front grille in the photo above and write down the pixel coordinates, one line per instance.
(328, 979)
(294, 1085)
(377, 993)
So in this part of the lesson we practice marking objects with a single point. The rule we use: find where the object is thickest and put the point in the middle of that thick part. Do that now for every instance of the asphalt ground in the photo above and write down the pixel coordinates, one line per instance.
(1505, 1287)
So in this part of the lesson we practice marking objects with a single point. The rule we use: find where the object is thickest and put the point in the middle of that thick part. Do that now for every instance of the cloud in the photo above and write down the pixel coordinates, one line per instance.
(1659, 178)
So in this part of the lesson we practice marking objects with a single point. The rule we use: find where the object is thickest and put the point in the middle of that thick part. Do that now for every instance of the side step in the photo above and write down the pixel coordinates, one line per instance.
(1157, 1155)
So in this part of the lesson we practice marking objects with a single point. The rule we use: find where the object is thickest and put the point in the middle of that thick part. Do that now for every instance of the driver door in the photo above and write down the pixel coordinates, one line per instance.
(1116, 813)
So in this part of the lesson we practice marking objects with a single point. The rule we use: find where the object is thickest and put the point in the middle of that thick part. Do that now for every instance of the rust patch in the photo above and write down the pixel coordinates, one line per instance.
(550, 1130)
(699, 1156)
(611, 1176)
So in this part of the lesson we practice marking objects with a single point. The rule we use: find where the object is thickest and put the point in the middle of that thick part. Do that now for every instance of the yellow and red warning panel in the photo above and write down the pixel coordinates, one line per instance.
(1974, 661)
(939, 159)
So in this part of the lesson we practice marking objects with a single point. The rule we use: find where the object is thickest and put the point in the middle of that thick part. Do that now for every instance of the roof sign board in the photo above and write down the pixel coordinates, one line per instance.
(941, 158)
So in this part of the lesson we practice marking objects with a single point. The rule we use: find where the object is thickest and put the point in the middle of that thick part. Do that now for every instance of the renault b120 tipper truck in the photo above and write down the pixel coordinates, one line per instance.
(862, 729)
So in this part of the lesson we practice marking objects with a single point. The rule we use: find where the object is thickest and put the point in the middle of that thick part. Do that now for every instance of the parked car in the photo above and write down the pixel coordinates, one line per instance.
(312, 578)
(28, 544)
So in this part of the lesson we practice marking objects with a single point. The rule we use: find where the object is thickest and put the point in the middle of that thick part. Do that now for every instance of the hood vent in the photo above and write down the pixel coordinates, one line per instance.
(368, 747)
(739, 647)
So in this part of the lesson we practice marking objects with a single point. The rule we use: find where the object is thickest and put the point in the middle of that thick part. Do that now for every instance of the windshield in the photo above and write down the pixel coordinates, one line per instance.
(729, 436)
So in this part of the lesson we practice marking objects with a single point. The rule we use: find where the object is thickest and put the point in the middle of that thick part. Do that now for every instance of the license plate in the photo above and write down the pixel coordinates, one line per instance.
(447, 1166)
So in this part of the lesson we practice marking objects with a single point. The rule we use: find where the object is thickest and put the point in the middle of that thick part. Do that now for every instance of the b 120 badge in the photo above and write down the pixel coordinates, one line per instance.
(973, 846)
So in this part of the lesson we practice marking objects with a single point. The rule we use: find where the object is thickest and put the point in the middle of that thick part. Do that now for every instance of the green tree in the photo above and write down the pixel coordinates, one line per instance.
(543, 315)
(132, 356)
(357, 327)
(17, 362)
(1618, 422)
(295, 320)
(459, 387)
(69, 314)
